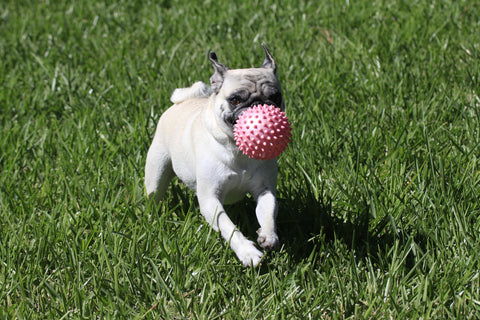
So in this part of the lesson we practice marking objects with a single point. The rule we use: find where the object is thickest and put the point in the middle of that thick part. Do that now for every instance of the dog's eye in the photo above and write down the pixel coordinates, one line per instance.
(234, 101)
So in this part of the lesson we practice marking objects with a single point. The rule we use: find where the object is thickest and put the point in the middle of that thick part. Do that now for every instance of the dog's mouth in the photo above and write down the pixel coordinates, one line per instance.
(236, 114)
(232, 118)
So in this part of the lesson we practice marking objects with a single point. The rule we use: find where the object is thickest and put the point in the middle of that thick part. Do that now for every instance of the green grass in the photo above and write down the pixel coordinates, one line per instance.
(378, 191)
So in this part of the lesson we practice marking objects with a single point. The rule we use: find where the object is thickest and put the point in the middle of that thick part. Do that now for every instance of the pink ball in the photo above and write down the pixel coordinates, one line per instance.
(262, 132)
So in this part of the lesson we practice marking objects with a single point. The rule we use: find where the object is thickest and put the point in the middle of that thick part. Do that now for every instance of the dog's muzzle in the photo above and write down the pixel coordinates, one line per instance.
(233, 117)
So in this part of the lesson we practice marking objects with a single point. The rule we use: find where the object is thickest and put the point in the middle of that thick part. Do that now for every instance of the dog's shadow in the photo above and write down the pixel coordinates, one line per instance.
(307, 224)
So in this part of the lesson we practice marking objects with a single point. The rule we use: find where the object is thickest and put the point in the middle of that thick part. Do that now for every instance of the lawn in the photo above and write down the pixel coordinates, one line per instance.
(378, 191)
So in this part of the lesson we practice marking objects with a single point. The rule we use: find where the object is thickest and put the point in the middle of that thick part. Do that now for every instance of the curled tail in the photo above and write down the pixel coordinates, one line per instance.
(197, 90)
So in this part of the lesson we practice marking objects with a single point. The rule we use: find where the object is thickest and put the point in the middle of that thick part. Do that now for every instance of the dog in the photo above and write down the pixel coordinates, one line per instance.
(194, 140)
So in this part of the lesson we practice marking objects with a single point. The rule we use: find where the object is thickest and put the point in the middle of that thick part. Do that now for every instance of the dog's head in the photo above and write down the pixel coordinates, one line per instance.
(238, 89)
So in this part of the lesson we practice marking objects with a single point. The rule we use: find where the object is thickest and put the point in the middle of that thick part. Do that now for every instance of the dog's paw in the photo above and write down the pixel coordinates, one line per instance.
(249, 255)
(267, 241)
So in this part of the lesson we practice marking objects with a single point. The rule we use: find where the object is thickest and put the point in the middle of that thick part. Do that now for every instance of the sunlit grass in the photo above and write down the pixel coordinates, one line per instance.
(378, 190)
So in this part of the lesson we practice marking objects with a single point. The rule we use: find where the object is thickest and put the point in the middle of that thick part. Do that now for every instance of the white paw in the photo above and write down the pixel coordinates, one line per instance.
(267, 241)
(249, 254)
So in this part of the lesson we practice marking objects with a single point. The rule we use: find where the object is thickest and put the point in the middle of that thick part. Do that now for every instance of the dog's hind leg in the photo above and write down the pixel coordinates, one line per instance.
(158, 171)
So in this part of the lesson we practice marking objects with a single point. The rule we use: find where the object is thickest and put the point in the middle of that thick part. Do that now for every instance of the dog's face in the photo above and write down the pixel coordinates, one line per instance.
(239, 89)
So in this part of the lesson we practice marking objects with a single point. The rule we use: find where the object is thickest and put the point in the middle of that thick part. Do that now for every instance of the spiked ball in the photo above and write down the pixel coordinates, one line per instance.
(262, 132)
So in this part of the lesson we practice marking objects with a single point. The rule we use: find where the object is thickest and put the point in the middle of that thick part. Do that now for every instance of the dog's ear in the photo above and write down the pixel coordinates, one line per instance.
(217, 79)
(269, 63)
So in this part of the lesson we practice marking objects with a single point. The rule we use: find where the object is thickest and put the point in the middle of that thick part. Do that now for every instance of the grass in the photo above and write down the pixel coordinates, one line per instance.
(378, 191)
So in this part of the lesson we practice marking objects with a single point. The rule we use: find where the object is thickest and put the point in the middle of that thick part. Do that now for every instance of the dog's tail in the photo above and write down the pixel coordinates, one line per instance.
(197, 90)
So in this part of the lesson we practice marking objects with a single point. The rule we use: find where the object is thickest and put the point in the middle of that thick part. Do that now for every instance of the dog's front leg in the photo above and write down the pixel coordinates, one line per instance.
(212, 209)
(266, 212)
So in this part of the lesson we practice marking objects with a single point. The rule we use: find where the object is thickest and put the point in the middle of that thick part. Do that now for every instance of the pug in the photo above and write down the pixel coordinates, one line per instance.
(194, 140)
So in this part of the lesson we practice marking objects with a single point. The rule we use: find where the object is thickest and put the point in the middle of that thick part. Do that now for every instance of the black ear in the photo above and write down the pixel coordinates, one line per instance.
(269, 62)
(216, 80)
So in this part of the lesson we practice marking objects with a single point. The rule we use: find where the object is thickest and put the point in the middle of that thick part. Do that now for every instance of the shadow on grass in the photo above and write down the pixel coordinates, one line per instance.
(310, 224)
(307, 224)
